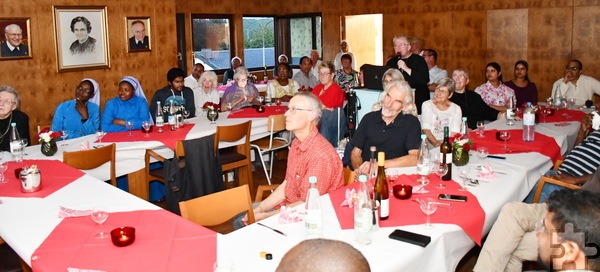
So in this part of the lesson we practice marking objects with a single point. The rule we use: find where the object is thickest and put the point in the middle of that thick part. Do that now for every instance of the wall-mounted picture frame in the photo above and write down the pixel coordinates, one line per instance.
(16, 41)
(81, 34)
(138, 34)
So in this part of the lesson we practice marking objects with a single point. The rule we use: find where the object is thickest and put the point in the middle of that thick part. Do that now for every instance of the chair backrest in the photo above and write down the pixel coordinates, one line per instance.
(276, 123)
(232, 134)
(218, 208)
(349, 176)
(93, 158)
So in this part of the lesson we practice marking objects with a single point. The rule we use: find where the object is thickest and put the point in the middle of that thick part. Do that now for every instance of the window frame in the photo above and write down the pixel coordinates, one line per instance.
(275, 38)
(232, 47)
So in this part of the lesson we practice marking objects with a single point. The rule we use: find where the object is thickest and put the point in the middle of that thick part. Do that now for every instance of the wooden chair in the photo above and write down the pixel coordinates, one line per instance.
(550, 180)
(159, 174)
(218, 208)
(239, 156)
(93, 158)
(276, 124)
(349, 176)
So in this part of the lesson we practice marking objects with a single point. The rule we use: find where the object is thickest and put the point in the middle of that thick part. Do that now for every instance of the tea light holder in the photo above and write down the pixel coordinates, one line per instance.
(402, 191)
(122, 236)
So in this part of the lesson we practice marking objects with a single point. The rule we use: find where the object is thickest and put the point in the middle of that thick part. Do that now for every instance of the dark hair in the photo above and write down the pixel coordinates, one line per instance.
(524, 63)
(496, 66)
(174, 73)
(305, 57)
(578, 63)
(82, 19)
(91, 84)
(433, 53)
(580, 208)
(199, 64)
(287, 65)
(346, 56)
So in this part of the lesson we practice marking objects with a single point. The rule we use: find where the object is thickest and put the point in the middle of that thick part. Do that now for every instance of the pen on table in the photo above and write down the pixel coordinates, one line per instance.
(275, 230)
(496, 157)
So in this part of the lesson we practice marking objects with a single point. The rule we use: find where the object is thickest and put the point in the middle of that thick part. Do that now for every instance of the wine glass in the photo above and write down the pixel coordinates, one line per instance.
(212, 116)
(482, 153)
(229, 106)
(186, 113)
(278, 103)
(440, 169)
(545, 111)
(99, 215)
(463, 173)
(260, 99)
(129, 126)
(268, 99)
(480, 128)
(505, 136)
(99, 135)
(63, 135)
(146, 125)
(3, 166)
(428, 206)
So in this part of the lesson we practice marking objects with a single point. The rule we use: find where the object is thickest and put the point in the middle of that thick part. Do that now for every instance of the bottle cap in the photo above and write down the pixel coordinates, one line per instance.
(380, 158)
(423, 136)
(312, 179)
(373, 148)
(362, 178)
(13, 124)
(464, 118)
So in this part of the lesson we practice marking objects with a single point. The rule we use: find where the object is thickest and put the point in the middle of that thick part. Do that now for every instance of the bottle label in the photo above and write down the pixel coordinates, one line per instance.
(160, 121)
(15, 147)
(423, 168)
(384, 208)
(529, 119)
(313, 221)
(364, 221)
(449, 157)
(510, 115)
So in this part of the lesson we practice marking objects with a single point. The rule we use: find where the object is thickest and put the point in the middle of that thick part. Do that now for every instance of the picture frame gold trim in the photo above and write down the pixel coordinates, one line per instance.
(81, 34)
(129, 35)
(24, 24)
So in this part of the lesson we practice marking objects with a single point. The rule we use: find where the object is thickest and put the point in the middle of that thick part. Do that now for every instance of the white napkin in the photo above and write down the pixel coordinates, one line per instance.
(595, 120)
(419, 189)
(84, 145)
(64, 212)
(288, 215)
(486, 173)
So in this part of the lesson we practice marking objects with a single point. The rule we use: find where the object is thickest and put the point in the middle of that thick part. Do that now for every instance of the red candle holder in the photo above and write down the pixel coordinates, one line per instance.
(402, 191)
(122, 236)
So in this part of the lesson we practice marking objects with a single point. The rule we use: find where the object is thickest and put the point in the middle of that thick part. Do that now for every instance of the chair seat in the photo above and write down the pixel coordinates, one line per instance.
(264, 143)
(229, 156)
(160, 172)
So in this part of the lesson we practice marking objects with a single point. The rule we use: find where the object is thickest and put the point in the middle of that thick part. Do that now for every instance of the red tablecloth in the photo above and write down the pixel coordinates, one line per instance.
(542, 144)
(468, 215)
(252, 113)
(564, 115)
(55, 175)
(168, 137)
(163, 242)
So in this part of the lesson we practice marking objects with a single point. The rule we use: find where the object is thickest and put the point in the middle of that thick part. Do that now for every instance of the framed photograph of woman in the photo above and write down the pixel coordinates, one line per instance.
(81, 38)
(16, 41)
(138, 34)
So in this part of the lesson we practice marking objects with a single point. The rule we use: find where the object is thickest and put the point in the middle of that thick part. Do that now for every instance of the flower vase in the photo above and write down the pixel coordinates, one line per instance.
(49, 148)
(212, 117)
(460, 157)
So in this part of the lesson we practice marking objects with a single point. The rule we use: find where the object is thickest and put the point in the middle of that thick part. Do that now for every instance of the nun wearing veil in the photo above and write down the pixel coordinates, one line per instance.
(129, 105)
(80, 116)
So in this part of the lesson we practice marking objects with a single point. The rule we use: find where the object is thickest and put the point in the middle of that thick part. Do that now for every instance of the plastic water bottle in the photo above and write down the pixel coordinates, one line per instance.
(423, 157)
(363, 213)
(16, 148)
(313, 221)
(529, 124)
(510, 111)
(464, 128)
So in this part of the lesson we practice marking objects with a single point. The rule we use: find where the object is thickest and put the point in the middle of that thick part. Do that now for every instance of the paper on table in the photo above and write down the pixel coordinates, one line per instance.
(66, 212)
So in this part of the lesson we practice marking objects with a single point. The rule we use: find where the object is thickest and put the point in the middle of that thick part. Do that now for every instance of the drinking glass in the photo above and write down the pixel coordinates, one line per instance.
(428, 206)
(268, 99)
(64, 134)
(129, 126)
(440, 169)
(278, 103)
(482, 153)
(571, 103)
(505, 136)
(480, 128)
(463, 173)
(212, 116)
(260, 99)
(3, 166)
(99, 135)
(99, 215)
(146, 125)
(229, 106)
(545, 111)
(186, 113)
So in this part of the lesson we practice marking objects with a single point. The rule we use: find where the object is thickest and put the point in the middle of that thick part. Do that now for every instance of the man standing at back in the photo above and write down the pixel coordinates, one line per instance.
(435, 73)
(174, 97)
(316, 63)
(575, 85)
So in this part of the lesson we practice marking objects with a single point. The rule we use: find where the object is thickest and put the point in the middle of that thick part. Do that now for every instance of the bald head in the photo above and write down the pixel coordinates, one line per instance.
(323, 255)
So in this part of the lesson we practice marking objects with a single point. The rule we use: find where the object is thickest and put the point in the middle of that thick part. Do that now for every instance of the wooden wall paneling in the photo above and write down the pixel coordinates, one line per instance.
(578, 3)
(403, 24)
(586, 34)
(550, 34)
(506, 38)
(469, 45)
(435, 31)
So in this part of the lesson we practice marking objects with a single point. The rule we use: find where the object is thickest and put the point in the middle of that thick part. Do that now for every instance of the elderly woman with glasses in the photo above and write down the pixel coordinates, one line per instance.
(80, 116)
(440, 112)
(129, 106)
(333, 121)
(10, 113)
(207, 92)
(241, 94)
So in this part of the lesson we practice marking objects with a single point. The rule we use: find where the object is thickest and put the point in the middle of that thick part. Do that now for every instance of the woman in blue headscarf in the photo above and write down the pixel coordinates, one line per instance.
(129, 105)
(80, 116)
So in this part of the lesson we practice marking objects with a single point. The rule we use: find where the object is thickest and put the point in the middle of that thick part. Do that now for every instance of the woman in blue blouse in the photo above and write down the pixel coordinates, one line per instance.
(80, 116)
(129, 105)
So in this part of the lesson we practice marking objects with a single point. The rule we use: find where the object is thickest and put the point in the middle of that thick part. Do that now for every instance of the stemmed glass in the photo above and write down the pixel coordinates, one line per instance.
(440, 169)
(482, 153)
(260, 99)
(545, 111)
(24, 142)
(278, 103)
(463, 173)
(129, 126)
(212, 116)
(428, 207)
(146, 125)
(571, 102)
(268, 100)
(3, 166)
(63, 135)
(99, 215)
(99, 135)
(505, 136)
(229, 106)
(186, 113)
(480, 128)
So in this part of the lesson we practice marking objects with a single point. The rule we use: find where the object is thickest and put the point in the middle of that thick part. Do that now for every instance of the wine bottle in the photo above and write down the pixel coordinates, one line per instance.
(313, 221)
(160, 119)
(446, 151)
(265, 75)
(381, 190)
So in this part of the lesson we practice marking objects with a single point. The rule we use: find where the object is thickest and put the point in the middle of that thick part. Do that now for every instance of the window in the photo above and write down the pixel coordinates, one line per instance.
(304, 35)
(259, 42)
(211, 41)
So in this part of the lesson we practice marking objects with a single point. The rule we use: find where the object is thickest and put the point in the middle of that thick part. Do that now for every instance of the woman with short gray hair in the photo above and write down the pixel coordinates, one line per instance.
(440, 112)
(207, 91)
(241, 94)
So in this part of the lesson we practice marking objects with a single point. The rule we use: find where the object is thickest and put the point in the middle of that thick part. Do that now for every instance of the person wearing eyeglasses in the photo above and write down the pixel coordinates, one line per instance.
(332, 97)
(12, 47)
(79, 116)
(576, 85)
(440, 112)
(241, 94)
(10, 113)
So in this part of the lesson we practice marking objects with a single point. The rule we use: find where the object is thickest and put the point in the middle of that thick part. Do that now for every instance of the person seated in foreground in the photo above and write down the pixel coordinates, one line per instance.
(471, 104)
(390, 130)
(310, 155)
(80, 116)
(512, 238)
(129, 105)
(241, 94)
(282, 88)
(323, 255)
(306, 80)
(389, 76)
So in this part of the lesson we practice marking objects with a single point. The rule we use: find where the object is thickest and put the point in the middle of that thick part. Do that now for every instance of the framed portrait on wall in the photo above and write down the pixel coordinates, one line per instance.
(16, 41)
(81, 37)
(138, 34)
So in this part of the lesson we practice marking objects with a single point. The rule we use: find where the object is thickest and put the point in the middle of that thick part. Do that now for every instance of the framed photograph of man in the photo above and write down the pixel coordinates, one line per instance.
(138, 34)
(16, 41)
(81, 38)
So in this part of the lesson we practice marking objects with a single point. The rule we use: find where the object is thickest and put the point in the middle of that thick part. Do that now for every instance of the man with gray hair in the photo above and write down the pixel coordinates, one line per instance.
(12, 47)
(325, 255)
(390, 130)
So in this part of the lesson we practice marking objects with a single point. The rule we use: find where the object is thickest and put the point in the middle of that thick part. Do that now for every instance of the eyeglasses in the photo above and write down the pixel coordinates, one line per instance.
(440, 91)
(242, 79)
(6, 102)
(80, 88)
(14, 35)
(293, 110)
(403, 44)
(324, 74)
(571, 68)
(458, 76)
